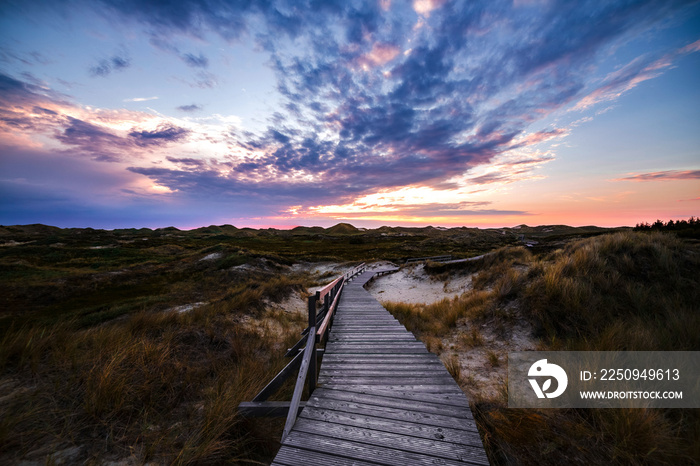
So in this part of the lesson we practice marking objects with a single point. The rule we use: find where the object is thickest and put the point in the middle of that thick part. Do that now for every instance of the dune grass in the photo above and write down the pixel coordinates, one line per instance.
(154, 385)
(163, 385)
(624, 291)
(92, 354)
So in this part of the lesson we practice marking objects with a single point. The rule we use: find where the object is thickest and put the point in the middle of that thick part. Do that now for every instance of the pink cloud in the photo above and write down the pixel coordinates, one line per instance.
(380, 55)
(628, 77)
(541, 136)
(666, 175)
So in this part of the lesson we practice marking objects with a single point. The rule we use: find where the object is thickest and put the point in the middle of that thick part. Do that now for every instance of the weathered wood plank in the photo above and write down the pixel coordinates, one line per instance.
(399, 414)
(444, 433)
(342, 328)
(386, 347)
(386, 358)
(387, 380)
(331, 311)
(430, 407)
(364, 452)
(372, 333)
(435, 447)
(301, 378)
(290, 455)
(330, 366)
(445, 394)
(368, 330)
(374, 339)
(377, 347)
(370, 371)
(359, 352)
(347, 350)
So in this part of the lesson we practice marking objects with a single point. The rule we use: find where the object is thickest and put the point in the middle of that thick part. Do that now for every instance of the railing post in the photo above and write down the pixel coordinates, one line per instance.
(312, 325)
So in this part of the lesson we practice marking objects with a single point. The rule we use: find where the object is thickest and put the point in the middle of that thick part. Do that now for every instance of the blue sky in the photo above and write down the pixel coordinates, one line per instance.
(282, 113)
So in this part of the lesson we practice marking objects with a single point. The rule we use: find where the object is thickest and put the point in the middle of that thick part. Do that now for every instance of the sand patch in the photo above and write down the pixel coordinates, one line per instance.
(211, 257)
(186, 307)
(484, 366)
(412, 285)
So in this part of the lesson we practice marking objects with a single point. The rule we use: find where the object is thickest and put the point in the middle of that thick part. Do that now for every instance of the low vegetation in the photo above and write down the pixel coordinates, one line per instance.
(153, 386)
(623, 291)
(139, 344)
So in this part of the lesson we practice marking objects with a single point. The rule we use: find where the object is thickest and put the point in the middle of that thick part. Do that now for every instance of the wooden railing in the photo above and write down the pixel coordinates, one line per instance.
(433, 258)
(304, 357)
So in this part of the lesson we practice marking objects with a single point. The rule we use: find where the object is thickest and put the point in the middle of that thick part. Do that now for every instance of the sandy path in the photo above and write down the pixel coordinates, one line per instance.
(413, 285)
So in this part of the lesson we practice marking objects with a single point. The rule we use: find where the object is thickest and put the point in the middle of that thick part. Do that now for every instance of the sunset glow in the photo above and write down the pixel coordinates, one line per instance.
(400, 113)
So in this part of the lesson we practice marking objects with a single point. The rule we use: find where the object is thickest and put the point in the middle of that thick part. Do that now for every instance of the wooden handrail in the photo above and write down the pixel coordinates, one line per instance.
(299, 387)
(329, 315)
(320, 294)
(304, 358)
(327, 289)
(355, 271)
(433, 258)
(279, 379)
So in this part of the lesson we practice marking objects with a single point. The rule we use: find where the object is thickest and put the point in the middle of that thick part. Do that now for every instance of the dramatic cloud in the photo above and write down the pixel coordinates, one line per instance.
(195, 61)
(190, 108)
(639, 70)
(667, 175)
(370, 98)
(105, 66)
(376, 101)
(163, 134)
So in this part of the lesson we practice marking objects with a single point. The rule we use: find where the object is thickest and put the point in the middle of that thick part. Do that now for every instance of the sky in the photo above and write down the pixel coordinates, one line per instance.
(278, 113)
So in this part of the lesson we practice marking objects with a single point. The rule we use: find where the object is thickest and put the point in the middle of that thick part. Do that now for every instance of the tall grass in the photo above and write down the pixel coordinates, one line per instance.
(162, 385)
(626, 291)
(622, 291)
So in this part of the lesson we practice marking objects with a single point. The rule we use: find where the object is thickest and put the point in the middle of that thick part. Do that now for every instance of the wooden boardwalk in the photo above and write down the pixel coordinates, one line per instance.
(381, 398)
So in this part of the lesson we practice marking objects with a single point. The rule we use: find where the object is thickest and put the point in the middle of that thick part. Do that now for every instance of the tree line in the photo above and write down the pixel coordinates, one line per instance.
(692, 225)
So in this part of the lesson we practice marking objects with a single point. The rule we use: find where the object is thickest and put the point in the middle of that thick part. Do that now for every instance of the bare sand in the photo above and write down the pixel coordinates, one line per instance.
(412, 285)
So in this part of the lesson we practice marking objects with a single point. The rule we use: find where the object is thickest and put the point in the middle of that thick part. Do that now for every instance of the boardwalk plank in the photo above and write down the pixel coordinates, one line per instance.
(384, 358)
(434, 447)
(289, 455)
(429, 407)
(370, 371)
(382, 397)
(447, 434)
(409, 368)
(364, 452)
(386, 380)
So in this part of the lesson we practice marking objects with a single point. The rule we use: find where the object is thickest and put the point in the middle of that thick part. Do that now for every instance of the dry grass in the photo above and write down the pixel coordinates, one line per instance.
(586, 436)
(626, 291)
(453, 366)
(159, 386)
(472, 338)
(493, 358)
(622, 291)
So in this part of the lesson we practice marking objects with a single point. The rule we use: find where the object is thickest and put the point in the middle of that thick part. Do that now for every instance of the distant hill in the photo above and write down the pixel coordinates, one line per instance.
(29, 230)
(342, 229)
(307, 230)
